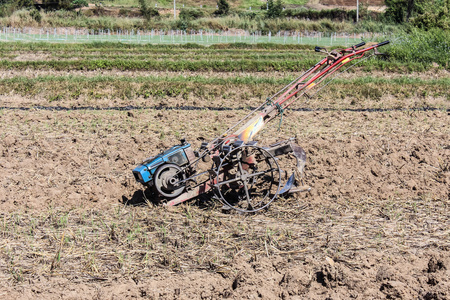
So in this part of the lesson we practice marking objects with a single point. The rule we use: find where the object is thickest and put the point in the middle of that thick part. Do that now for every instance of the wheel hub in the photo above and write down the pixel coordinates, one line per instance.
(167, 180)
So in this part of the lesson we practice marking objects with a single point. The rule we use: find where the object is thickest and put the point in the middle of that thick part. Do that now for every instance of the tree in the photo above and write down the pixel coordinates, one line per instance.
(274, 10)
(147, 12)
(433, 15)
(79, 4)
(63, 4)
(23, 3)
(399, 11)
(420, 13)
(223, 8)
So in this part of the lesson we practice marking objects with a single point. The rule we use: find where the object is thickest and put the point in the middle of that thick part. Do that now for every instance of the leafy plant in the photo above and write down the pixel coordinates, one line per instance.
(147, 11)
(191, 14)
(424, 47)
(223, 8)
(35, 14)
(79, 4)
(433, 16)
(420, 13)
(64, 4)
(274, 9)
(23, 3)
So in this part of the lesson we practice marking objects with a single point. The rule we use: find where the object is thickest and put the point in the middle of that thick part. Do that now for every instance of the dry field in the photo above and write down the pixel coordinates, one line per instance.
(75, 225)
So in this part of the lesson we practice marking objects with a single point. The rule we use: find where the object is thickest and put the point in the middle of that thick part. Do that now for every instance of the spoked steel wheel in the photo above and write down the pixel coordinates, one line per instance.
(248, 179)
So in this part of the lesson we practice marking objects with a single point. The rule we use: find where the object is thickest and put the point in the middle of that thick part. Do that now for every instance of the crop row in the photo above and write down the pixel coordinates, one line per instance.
(223, 65)
(144, 48)
(180, 65)
(133, 53)
(232, 92)
(160, 52)
(164, 56)
(219, 57)
(236, 80)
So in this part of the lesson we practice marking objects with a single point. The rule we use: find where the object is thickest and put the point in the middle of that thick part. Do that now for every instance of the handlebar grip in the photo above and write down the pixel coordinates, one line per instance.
(360, 44)
(383, 43)
(317, 49)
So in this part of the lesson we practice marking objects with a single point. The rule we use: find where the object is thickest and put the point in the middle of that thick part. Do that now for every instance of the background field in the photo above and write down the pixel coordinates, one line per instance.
(76, 119)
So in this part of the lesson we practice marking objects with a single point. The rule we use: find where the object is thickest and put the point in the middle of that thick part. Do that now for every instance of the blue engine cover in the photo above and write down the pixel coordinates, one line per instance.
(175, 155)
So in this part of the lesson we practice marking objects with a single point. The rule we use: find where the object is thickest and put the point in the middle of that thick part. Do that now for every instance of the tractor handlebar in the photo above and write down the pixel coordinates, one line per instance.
(383, 43)
(319, 49)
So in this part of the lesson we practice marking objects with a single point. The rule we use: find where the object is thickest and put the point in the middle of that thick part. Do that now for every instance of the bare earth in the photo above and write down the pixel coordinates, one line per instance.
(376, 224)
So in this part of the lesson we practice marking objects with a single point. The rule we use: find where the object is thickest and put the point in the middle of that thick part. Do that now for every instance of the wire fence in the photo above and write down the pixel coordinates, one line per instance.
(205, 37)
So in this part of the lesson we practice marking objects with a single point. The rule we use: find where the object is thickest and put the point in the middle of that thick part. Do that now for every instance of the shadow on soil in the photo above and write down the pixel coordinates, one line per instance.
(146, 197)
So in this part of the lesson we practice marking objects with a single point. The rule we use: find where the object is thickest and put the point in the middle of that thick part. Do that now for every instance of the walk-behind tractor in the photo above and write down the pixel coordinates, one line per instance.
(233, 167)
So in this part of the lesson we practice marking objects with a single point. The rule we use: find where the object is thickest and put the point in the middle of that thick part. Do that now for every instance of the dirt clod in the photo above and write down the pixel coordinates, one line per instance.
(435, 264)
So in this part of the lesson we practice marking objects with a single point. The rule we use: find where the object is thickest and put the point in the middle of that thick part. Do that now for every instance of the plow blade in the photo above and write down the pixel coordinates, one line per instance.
(300, 156)
(286, 147)
(289, 184)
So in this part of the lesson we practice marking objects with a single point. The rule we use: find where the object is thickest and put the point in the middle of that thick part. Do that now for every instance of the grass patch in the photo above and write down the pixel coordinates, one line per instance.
(424, 47)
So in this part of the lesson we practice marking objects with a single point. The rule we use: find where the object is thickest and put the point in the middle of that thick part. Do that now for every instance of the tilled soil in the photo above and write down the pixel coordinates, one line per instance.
(408, 277)
(377, 221)
(374, 225)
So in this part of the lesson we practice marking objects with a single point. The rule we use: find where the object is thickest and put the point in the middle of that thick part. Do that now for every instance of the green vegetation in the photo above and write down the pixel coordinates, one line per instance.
(245, 4)
(195, 19)
(56, 88)
(147, 11)
(420, 36)
(7, 7)
(423, 14)
(272, 16)
(188, 82)
(417, 51)
(165, 65)
(425, 47)
(223, 8)
(274, 9)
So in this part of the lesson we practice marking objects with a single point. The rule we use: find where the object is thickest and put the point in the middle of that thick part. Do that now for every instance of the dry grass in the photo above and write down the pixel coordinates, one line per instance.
(138, 242)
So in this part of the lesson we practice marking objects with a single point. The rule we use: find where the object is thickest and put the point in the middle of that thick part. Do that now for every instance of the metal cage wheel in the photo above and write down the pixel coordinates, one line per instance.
(167, 179)
(248, 179)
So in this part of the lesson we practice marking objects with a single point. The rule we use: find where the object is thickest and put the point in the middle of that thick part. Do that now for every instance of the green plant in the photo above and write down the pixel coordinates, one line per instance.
(420, 13)
(147, 11)
(78, 4)
(423, 47)
(399, 11)
(64, 4)
(223, 8)
(274, 9)
(23, 4)
(433, 16)
(35, 14)
(191, 14)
